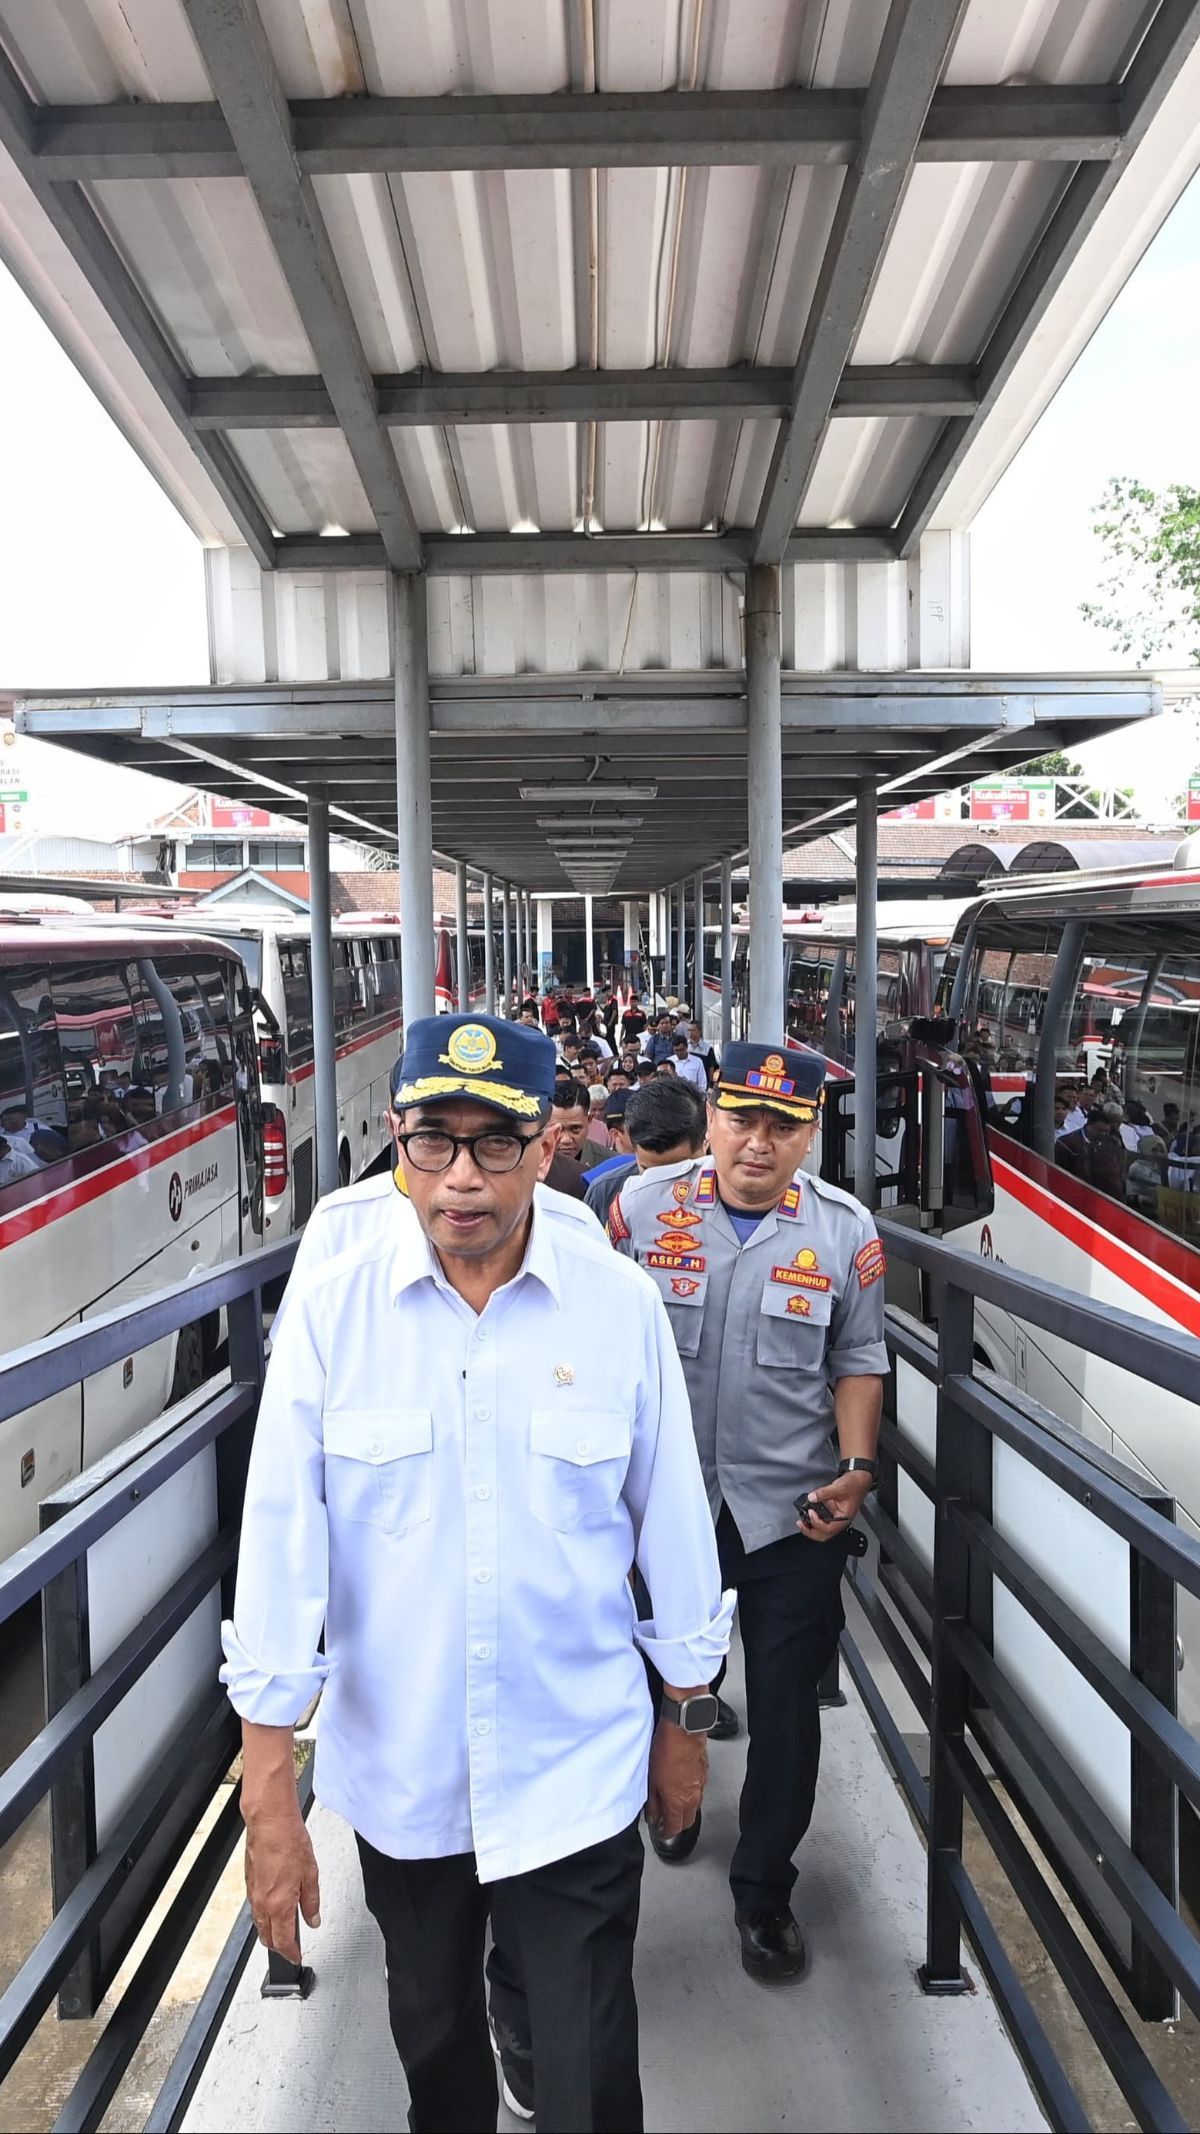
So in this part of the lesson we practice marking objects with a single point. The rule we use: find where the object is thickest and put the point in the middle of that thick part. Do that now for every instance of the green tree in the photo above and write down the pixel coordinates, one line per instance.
(1150, 595)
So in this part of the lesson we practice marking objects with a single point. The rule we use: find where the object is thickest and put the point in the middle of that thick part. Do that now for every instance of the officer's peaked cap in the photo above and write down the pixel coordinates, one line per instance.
(775, 1077)
(505, 1065)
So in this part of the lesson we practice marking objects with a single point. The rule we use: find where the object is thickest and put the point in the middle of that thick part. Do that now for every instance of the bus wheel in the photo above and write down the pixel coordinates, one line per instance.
(189, 1363)
(343, 1165)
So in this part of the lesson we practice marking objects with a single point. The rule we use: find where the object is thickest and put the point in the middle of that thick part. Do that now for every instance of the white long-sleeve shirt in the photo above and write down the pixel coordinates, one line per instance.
(458, 1498)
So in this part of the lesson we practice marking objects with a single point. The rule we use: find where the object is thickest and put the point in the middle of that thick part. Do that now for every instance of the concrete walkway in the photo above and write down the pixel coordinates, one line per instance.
(854, 2045)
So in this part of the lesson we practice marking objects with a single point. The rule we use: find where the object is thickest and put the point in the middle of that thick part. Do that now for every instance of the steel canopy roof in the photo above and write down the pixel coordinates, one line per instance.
(677, 740)
(490, 288)
(543, 298)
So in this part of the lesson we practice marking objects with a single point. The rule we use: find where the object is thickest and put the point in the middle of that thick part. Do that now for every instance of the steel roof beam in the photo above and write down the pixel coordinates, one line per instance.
(78, 227)
(237, 57)
(465, 397)
(469, 555)
(917, 39)
(1166, 46)
(345, 136)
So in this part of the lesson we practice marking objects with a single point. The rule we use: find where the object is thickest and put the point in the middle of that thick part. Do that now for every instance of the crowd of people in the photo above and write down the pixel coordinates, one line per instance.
(606, 1053)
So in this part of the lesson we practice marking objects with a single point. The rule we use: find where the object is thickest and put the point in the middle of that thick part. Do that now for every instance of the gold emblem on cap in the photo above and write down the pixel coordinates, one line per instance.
(471, 1049)
(772, 1064)
(564, 1374)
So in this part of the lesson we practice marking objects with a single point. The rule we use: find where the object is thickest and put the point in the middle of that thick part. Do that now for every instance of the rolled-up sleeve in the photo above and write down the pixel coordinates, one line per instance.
(272, 1666)
(856, 1345)
(688, 1636)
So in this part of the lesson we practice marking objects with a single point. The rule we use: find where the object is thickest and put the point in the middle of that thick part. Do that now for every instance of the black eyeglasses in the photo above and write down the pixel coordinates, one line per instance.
(427, 1148)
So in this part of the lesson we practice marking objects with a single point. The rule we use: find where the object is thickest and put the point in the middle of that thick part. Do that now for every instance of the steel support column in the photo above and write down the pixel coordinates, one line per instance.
(697, 1003)
(489, 950)
(506, 946)
(414, 813)
(681, 946)
(866, 988)
(531, 941)
(726, 953)
(463, 941)
(589, 947)
(320, 950)
(764, 767)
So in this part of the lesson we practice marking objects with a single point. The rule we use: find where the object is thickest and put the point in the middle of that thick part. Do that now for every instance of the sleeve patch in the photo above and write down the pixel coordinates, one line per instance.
(616, 1226)
(871, 1262)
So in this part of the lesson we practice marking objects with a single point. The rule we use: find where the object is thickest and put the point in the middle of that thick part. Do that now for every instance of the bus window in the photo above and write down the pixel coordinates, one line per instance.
(1132, 1043)
(33, 1111)
(100, 1049)
(297, 1001)
(184, 1023)
(347, 1002)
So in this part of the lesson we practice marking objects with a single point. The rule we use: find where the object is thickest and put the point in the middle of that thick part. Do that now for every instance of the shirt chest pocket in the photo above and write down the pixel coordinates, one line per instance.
(577, 1463)
(682, 1290)
(379, 1466)
(793, 1327)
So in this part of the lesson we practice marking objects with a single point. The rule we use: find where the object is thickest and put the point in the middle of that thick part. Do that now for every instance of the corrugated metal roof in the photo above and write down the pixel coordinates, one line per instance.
(678, 263)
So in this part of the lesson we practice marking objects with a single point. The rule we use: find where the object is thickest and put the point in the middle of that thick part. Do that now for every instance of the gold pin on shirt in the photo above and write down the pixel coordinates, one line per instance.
(564, 1374)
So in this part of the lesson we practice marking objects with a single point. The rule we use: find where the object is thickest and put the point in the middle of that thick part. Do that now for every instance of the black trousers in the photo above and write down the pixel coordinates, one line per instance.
(561, 1978)
(791, 1616)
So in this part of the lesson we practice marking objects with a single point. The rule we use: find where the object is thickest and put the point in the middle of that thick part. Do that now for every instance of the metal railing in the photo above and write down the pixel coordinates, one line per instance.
(116, 1886)
(987, 1747)
(989, 1751)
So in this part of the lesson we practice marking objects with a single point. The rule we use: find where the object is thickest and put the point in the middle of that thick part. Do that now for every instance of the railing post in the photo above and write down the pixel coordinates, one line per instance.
(942, 1971)
(1154, 1801)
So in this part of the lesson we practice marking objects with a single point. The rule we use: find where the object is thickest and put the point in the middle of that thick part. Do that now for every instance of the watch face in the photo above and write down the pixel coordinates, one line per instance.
(699, 1715)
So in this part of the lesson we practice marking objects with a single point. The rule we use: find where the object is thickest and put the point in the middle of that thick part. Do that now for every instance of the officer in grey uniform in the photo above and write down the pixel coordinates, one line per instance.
(772, 1281)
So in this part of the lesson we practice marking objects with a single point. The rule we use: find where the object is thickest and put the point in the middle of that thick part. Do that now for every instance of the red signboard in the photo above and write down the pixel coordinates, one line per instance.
(226, 815)
(1193, 800)
(916, 811)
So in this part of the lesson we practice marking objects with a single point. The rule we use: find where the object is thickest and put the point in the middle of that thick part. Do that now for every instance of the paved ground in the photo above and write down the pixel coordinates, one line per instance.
(854, 2046)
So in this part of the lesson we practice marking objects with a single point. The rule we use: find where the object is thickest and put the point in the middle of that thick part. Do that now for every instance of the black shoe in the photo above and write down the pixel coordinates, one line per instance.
(772, 1945)
(516, 2075)
(728, 1725)
(676, 1850)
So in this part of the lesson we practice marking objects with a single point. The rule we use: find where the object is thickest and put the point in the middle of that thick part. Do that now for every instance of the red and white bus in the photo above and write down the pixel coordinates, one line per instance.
(130, 1158)
(819, 953)
(369, 1033)
(1067, 976)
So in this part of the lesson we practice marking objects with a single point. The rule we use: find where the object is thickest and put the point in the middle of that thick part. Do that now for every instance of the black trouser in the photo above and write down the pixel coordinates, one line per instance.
(790, 1615)
(561, 1977)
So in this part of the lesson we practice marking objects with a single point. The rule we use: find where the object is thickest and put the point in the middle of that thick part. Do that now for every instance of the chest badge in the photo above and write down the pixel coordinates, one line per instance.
(681, 1188)
(804, 1272)
(679, 1218)
(799, 1307)
(684, 1286)
(564, 1374)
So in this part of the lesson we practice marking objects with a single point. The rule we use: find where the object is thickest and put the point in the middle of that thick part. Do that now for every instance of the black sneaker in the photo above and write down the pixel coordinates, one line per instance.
(516, 2076)
(772, 1945)
(728, 1725)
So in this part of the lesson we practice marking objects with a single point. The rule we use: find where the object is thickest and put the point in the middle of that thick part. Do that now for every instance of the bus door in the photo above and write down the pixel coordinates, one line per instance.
(931, 1160)
(243, 1038)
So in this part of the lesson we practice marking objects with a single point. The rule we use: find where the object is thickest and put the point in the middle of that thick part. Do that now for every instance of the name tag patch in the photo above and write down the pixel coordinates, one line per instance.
(677, 1262)
(870, 1262)
(802, 1278)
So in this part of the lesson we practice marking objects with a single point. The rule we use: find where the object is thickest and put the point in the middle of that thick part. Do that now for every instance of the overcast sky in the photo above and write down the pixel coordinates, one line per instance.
(103, 584)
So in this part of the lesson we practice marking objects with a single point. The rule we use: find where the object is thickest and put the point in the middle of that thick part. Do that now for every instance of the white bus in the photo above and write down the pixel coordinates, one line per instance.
(819, 972)
(130, 1158)
(368, 1026)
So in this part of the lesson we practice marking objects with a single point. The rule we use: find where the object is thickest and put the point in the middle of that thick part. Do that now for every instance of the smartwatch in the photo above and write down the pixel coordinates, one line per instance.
(696, 1715)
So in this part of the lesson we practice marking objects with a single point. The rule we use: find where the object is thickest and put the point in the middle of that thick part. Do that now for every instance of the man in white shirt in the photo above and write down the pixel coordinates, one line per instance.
(471, 1428)
(688, 1066)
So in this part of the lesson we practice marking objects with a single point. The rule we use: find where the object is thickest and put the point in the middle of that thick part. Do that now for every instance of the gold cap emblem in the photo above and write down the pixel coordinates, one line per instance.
(471, 1049)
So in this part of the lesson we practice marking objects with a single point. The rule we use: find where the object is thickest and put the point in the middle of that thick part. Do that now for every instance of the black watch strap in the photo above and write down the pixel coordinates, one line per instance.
(859, 1467)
